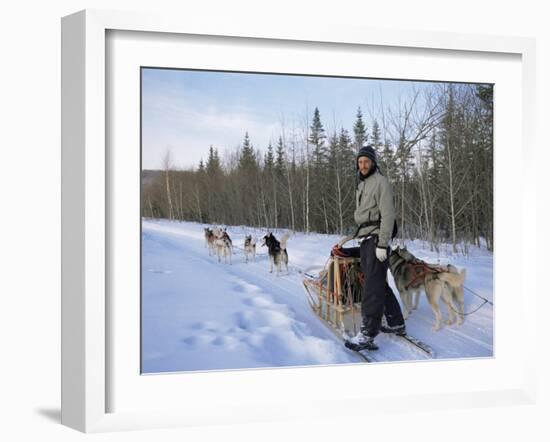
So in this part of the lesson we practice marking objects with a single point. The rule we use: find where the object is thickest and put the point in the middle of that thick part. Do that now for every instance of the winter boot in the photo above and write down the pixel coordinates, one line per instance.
(361, 342)
(398, 330)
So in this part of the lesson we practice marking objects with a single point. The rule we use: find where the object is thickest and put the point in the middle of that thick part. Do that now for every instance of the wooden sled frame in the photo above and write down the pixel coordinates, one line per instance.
(335, 294)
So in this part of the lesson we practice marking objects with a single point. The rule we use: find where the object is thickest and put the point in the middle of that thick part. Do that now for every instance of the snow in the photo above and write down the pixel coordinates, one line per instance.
(199, 314)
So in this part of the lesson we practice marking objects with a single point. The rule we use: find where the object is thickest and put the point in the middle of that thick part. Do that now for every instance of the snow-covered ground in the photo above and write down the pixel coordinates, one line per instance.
(198, 314)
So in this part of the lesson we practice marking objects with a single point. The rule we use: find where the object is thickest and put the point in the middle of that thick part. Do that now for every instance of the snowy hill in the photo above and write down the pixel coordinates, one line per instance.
(198, 314)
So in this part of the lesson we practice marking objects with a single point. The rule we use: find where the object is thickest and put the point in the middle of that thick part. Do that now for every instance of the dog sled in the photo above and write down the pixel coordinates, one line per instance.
(335, 295)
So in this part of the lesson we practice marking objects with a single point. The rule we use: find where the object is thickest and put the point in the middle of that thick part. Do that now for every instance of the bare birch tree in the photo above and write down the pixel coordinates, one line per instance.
(167, 162)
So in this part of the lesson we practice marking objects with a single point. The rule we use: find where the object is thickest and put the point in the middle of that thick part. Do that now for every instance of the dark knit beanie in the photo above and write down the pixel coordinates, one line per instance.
(366, 151)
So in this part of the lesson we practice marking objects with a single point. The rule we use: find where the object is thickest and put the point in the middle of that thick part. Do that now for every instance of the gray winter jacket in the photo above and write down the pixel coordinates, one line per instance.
(374, 201)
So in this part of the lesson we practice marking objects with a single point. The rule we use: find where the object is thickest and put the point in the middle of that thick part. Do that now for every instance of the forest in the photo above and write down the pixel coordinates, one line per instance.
(435, 146)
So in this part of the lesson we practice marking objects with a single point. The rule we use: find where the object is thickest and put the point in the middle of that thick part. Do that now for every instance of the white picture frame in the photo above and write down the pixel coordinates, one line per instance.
(86, 206)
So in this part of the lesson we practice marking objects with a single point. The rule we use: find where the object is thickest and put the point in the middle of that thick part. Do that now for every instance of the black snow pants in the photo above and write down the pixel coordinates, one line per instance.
(378, 297)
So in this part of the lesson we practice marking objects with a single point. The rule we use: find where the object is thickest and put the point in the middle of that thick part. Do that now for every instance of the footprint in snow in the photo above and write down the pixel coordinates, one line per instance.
(243, 320)
(265, 304)
(252, 320)
(245, 287)
(257, 302)
(197, 340)
(254, 340)
(205, 325)
(228, 342)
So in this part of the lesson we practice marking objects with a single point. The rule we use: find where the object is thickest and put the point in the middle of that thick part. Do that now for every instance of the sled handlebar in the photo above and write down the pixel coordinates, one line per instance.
(345, 239)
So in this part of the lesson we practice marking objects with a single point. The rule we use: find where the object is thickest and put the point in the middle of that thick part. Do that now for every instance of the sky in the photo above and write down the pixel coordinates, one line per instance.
(185, 112)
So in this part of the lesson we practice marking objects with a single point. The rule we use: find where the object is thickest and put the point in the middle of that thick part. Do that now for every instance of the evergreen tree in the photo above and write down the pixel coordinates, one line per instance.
(317, 139)
(360, 131)
(347, 154)
(485, 160)
(387, 162)
(318, 178)
(201, 169)
(213, 168)
(217, 160)
(376, 138)
(280, 160)
(434, 155)
(247, 160)
(249, 179)
(269, 161)
(485, 93)
(334, 178)
(213, 183)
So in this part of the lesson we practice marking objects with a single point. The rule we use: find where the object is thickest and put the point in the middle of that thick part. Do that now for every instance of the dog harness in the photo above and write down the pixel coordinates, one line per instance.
(419, 269)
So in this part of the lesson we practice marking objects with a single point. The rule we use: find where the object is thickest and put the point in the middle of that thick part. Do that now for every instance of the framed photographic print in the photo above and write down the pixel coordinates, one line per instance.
(250, 215)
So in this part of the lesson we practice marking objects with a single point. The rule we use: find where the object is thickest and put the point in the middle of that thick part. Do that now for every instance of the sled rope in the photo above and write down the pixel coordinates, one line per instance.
(469, 313)
(485, 301)
(479, 296)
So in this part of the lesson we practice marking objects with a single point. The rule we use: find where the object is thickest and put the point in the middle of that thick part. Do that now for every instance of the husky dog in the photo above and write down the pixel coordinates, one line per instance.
(209, 239)
(207, 234)
(277, 251)
(223, 248)
(413, 290)
(250, 247)
(225, 236)
(411, 275)
(222, 233)
(222, 244)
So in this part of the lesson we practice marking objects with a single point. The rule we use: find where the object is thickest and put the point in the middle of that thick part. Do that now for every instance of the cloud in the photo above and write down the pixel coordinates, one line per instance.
(189, 131)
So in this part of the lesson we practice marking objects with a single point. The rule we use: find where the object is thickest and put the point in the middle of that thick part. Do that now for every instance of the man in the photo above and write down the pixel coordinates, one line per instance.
(375, 217)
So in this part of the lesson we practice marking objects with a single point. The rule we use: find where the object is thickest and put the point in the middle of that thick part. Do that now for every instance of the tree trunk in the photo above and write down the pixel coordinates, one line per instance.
(275, 208)
(169, 196)
(151, 208)
(325, 215)
(307, 197)
(290, 199)
(403, 206)
(451, 197)
(264, 207)
(198, 199)
(181, 203)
